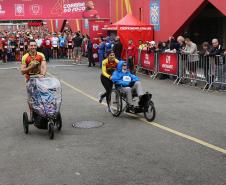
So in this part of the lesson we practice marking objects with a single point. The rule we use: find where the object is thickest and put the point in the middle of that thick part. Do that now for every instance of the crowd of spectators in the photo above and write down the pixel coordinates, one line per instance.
(56, 45)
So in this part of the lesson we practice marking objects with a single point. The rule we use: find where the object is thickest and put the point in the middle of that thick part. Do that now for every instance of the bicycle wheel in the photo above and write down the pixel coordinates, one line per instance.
(115, 103)
(150, 112)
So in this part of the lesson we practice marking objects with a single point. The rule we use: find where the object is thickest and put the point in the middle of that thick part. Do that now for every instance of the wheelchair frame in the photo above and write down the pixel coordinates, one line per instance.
(116, 104)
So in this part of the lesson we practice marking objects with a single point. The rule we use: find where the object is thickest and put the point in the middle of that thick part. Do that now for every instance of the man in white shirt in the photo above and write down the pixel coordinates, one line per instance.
(55, 44)
(39, 43)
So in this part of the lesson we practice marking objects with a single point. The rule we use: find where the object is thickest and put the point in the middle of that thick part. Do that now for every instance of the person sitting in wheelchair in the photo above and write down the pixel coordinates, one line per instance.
(127, 82)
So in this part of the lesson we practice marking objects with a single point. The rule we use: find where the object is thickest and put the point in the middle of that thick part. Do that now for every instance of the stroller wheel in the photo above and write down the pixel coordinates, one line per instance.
(59, 121)
(51, 131)
(25, 123)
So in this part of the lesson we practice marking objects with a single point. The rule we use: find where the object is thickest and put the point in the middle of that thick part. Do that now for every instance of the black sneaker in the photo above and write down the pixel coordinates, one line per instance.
(101, 97)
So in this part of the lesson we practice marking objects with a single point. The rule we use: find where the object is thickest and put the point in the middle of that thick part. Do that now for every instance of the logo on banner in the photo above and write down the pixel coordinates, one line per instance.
(95, 28)
(168, 66)
(35, 9)
(2, 12)
(168, 59)
(74, 7)
(19, 9)
(146, 59)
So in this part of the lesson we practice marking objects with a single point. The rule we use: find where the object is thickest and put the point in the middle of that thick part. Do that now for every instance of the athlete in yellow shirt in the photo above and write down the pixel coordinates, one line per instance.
(108, 67)
(33, 62)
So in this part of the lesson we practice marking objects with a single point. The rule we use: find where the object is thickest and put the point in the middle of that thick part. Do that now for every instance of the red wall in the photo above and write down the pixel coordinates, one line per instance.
(174, 14)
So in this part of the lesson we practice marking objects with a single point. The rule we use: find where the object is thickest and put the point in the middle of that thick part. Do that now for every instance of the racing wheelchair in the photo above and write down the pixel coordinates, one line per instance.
(118, 104)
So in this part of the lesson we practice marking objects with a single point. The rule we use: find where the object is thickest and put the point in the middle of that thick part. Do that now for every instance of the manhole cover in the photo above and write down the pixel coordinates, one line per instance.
(87, 124)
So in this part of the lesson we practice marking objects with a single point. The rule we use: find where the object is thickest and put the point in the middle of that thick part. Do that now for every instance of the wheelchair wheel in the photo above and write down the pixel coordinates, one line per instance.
(150, 112)
(115, 103)
(59, 121)
(51, 130)
(25, 123)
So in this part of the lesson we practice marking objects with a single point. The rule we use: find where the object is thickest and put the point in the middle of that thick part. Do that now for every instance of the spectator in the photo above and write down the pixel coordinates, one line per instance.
(118, 48)
(90, 52)
(217, 51)
(38, 41)
(204, 57)
(69, 47)
(108, 46)
(131, 56)
(62, 44)
(101, 51)
(216, 48)
(55, 45)
(77, 40)
(191, 59)
(180, 43)
(162, 46)
(46, 43)
(152, 47)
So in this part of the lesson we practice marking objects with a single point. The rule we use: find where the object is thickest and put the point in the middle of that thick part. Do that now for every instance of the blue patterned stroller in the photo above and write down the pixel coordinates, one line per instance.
(44, 100)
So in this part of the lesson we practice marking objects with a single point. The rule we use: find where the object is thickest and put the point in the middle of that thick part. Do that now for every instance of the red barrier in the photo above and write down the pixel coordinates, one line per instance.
(168, 63)
(147, 60)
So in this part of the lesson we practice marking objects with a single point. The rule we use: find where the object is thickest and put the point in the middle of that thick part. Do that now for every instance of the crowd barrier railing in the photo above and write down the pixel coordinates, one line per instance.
(195, 68)
(217, 71)
(167, 63)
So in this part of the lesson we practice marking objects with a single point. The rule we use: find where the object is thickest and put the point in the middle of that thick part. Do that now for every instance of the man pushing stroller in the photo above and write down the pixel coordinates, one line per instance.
(44, 94)
(33, 62)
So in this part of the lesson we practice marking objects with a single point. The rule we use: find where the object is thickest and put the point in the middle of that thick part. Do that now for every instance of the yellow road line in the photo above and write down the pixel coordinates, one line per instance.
(193, 139)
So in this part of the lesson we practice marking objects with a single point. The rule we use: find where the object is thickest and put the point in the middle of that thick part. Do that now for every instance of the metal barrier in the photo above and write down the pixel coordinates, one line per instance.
(208, 70)
(217, 70)
(193, 67)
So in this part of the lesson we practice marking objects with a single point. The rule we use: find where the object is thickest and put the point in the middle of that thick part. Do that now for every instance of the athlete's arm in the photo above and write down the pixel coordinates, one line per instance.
(43, 66)
(24, 69)
(104, 69)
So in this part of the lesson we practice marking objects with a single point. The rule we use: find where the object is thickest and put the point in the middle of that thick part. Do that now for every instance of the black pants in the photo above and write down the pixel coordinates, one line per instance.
(90, 58)
(47, 53)
(131, 65)
(107, 83)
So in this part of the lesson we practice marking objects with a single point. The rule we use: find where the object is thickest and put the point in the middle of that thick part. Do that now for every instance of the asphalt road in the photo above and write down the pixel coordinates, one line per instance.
(186, 144)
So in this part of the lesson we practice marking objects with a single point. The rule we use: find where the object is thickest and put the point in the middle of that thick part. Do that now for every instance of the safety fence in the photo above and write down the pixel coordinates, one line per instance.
(207, 71)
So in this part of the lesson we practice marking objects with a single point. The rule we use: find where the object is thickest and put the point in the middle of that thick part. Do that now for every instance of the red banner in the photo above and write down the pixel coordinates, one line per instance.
(95, 28)
(147, 60)
(49, 9)
(135, 33)
(168, 63)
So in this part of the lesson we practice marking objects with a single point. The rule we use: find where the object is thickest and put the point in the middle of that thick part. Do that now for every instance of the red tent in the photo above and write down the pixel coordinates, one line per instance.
(131, 28)
(128, 20)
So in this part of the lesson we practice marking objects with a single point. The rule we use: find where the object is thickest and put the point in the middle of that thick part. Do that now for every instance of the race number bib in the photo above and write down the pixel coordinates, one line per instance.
(126, 78)
(95, 55)
(47, 42)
